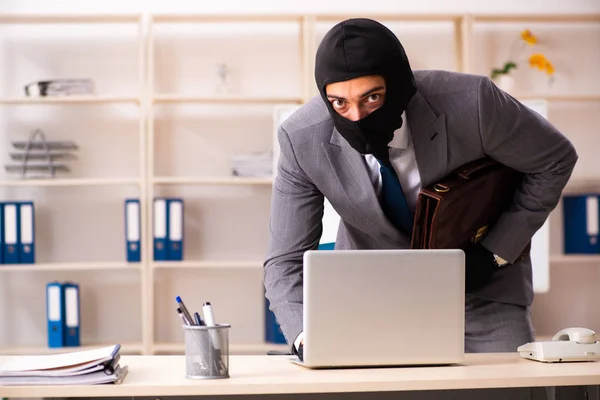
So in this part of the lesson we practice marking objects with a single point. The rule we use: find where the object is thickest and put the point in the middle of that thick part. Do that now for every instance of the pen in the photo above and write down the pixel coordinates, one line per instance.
(185, 311)
(198, 320)
(210, 321)
(214, 336)
(185, 320)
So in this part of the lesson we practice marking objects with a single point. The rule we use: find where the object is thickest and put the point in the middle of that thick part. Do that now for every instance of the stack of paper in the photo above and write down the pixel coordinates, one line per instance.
(89, 367)
(60, 87)
(253, 165)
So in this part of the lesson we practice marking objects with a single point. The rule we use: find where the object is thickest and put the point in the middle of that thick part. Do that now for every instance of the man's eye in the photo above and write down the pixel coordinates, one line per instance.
(373, 98)
(338, 103)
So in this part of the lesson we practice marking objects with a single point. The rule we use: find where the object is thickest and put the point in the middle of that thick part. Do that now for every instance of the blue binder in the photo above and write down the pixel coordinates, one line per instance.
(581, 219)
(160, 229)
(132, 230)
(55, 314)
(175, 236)
(11, 233)
(72, 314)
(27, 232)
(2, 233)
(273, 333)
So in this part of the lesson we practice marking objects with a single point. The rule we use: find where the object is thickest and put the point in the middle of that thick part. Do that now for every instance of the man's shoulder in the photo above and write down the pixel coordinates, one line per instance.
(312, 116)
(439, 82)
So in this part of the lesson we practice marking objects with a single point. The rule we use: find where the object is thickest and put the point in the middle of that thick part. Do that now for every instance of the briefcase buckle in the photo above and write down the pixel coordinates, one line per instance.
(438, 187)
(480, 233)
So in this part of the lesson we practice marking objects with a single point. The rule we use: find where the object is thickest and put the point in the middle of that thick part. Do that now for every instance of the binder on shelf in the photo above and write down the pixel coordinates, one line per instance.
(72, 314)
(160, 229)
(2, 233)
(132, 230)
(273, 333)
(581, 218)
(175, 235)
(55, 314)
(27, 234)
(11, 233)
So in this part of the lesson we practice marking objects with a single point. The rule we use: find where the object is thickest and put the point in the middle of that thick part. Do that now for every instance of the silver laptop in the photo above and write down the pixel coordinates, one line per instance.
(383, 307)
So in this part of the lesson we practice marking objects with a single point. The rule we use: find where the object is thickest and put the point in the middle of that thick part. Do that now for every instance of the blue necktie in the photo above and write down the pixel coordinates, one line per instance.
(394, 202)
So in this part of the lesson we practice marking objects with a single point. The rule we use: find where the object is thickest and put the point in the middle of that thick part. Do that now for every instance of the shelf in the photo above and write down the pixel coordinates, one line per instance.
(126, 348)
(174, 98)
(233, 181)
(82, 266)
(70, 182)
(560, 97)
(183, 18)
(67, 19)
(234, 348)
(575, 259)
(69, 100)
(536, 17)
(206, 264)
(425, 17)
(583, 185)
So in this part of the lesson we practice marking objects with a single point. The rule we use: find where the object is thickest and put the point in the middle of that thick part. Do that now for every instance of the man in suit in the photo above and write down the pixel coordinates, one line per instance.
(376, 121)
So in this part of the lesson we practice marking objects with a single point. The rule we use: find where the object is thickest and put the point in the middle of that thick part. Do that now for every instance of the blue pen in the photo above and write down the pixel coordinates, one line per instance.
(186, 313)
(198, 320)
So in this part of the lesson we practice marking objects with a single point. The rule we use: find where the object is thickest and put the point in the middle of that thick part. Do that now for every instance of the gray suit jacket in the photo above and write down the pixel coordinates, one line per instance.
(454, 119)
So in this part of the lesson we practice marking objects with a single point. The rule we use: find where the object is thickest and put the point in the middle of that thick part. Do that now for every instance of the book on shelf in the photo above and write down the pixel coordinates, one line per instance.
(87, 367)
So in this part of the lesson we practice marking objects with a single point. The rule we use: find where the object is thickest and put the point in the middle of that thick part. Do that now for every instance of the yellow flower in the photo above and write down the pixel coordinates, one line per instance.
(528, 37)
(539, 61)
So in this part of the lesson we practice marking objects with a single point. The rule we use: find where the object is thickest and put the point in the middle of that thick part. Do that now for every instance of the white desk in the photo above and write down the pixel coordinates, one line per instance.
(164, 376)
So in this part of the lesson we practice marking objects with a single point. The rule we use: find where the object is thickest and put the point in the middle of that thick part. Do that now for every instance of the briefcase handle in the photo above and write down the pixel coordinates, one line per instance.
(474, 167)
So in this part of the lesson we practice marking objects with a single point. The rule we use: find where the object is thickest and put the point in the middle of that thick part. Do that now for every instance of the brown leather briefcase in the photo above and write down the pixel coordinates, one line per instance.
(460, 209)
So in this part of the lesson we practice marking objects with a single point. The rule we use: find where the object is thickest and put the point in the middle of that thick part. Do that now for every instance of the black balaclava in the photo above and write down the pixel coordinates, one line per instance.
(360, 47)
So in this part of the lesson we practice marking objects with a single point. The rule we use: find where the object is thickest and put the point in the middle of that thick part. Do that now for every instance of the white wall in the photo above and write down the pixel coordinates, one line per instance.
(198, 140)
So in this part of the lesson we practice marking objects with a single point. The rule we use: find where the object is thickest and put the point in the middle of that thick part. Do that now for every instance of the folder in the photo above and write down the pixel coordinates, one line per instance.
(132, 230)
(581, 218)
(11, 233)
(160, 229)
(27, 234)
(175, 239)
(55, 314)
(273, 333)
(2, 233)
(72, 314)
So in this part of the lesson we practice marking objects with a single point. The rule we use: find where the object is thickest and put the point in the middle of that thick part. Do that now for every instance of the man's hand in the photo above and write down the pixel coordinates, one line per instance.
(479, 268)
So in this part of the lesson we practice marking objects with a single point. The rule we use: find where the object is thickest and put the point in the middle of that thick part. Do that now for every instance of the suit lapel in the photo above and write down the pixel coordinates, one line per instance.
(428, 133)
(352, 174)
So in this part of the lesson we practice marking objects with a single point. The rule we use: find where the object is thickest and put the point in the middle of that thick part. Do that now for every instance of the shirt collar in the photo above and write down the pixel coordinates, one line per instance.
(401, 135)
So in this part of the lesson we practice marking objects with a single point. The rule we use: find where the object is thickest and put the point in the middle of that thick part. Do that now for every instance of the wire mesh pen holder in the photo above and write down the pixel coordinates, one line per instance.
(206, 351)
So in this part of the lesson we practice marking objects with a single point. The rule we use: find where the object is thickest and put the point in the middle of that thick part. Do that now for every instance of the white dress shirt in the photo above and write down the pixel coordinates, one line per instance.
(404, 161)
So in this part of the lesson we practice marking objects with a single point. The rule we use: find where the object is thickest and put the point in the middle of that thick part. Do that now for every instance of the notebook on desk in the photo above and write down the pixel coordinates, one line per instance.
(87, 367)
(383, 308)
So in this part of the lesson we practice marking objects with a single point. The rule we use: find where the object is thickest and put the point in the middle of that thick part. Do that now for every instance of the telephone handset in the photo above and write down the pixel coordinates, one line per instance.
(567, 345)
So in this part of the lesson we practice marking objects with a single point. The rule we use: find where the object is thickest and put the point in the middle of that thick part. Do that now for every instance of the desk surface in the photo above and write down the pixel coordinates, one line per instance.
(164, 375)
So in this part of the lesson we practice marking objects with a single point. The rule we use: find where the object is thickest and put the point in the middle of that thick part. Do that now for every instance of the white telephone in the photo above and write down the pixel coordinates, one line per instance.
(568, 345)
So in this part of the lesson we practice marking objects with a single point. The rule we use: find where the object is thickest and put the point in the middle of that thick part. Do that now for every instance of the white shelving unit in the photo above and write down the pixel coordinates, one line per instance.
(46, 271)
(148, 99)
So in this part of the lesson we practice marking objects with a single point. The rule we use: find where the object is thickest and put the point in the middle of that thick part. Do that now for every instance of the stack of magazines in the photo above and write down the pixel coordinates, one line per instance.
(252, 164)
(60, 87)
(88, 367)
